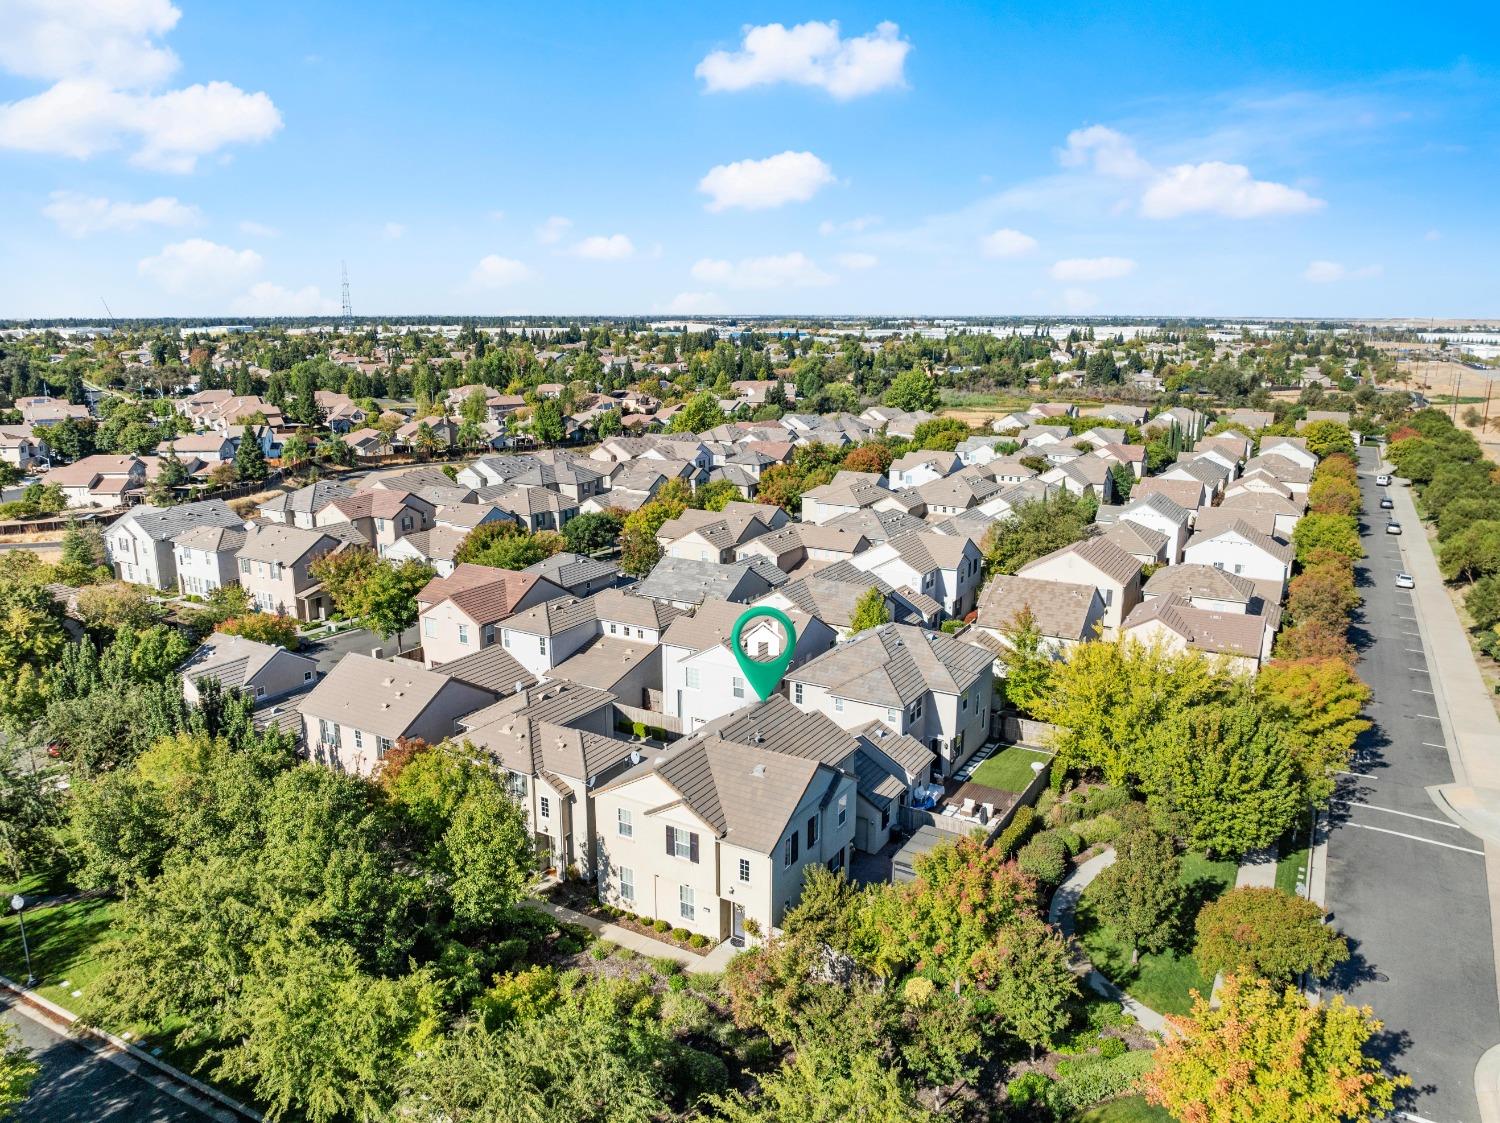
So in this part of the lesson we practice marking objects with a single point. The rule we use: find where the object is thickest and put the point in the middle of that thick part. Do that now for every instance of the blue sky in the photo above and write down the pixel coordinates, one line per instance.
(185, 157)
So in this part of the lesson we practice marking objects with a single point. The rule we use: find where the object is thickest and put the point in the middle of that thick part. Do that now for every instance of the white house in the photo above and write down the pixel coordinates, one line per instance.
(139, 544)
(1243, 551)
(1096, 562)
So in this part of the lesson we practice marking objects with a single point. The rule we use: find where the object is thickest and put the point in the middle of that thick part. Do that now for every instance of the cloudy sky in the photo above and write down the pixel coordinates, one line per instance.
(1034, 157)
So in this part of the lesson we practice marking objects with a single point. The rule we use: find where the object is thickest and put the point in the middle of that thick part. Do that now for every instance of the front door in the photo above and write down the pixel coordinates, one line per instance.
(737, 925)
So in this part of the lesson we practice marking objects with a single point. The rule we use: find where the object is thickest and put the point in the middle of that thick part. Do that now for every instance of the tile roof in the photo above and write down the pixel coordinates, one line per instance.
(1219, 633)
(1276, 548)
(603, 662)
(162, 524)
(491, 668)
(1205, 581)
(1062, 609)
(1100, 553)
(212, 539)
(567, 570)
(275, 542)
(690, 581)
(895, 663)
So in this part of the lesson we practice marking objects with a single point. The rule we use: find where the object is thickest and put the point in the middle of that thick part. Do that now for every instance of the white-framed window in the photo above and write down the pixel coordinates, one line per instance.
(260, 691)
(685, 902)
(890, 717)
(737, 686)
(546, 806)
(744, 869)
(789, 849)
(245, 565)
(541, 644)
(843, 809)
(429, 626)
(691, 678)
(812, 832)
(624, 823)
(612, 630)
(838, 704)
(963, 703)
(383, 745)
(796, 692)
(307, 676)
(463, 634)
(405, 522)
(627, 884)
(328, 733)
(359, 739)
(682, 844)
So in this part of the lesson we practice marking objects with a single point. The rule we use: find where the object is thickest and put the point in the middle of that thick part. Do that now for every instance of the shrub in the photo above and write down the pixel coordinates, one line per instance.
(1082, 1081)
(1111, 1047)
(1015, 834)
(661, 925)
(600, 950)
(753, 1051)
(1030, 1088)
(1101, 828)
(623, 953)
(666, 965)
(680, 934)
(677, 983)
(683, 1014)
(1268, 933)
(1045, 858)
(698, 940)
(568, 945)
(693, 1074)
(1105, 799)
(511, 953)
(1073, 842)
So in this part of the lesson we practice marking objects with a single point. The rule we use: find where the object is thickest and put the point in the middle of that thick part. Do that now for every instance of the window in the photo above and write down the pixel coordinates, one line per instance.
(429, 627)
(812, 832)
(487, 636)
(328, 733)
(627, 884)
(640, 633)
(307, 676)
(359, 739)
(624, 824)
(541, 644)
(789, 850)
(745, 869)
(516, 781)
(245, 565)
(382, 746)
(682, 844)
(546, 805)
(796, 692)
(691, 678)
(891, 718)
(405, 522)
(737, 685)
(843, 809)
(611, 629)
(685, 907)
(463, 634)
(260, 691)
(963, 703)
(838, 704)
(885, 817)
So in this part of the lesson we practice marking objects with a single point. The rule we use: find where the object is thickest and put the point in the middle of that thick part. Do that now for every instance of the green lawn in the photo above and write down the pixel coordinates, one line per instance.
(64, 943)
(1009, 770)
(1130, 1109)
(1290, 870)
(1163, 980)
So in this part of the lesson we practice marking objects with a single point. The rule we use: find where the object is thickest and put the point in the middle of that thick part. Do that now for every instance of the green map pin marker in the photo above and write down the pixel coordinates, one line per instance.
(766, 676)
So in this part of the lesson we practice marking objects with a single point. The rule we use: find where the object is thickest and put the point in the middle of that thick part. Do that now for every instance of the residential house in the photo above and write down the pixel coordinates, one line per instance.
(925, 684)
(848, 492)
(553, 631)
(700, 678)
(381, 517)
(711, 536)
(686, 583)
(1240, 550)
(275, 569)
(1065, 614)
(364, 706)
(577, 575)
(912, 469)
(461, 613)
(206, 557)
(21, 448)
(300, 508)
(798, 543)
(1242, 639)
(139, 546)
(1289, 448)
(945, 567)
(1204, 586)
(101, 480)
(1099, 563)
(262, 671)
(1145, 544)
(1162, 515)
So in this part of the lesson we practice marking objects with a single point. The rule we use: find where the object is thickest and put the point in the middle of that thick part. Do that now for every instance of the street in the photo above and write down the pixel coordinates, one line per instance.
(1405, 884)
(77, 1085)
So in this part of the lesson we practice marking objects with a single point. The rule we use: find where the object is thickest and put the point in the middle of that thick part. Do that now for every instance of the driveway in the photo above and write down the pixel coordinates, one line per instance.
(328, 652)
(1405, 883)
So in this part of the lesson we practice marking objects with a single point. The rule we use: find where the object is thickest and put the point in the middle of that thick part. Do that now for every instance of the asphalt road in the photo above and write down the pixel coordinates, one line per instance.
(79, 1086)
(1405, 884)
(328, 652)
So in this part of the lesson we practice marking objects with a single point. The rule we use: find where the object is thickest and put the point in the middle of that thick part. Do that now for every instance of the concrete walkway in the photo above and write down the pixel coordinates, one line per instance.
(1060, 913)
(1467, 714)
(1257, 870)
(695, 964)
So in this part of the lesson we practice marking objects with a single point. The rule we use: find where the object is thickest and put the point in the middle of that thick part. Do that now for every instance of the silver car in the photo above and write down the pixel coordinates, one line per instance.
(1405, 581)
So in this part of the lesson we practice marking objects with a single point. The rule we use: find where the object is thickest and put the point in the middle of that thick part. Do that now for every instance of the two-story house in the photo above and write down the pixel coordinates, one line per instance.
(945, 567)
(1097, 562)
(262, 671)
(275, 569)
(139, 544)
(461, 613)
(207, 558)
(382, 517)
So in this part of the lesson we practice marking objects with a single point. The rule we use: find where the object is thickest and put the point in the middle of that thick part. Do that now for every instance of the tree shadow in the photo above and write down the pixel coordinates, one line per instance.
(1388, 1046)
(1353, 971)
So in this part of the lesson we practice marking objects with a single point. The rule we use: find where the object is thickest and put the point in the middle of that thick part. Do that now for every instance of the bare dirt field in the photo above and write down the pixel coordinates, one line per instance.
(1442, 382)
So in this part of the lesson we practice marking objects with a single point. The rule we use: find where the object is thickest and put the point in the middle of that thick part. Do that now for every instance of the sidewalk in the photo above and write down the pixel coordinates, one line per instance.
(1060, 915)
(695, 964)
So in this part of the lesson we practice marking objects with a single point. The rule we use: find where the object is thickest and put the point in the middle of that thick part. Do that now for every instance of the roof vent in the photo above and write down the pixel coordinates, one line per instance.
(758, 770)
(635, 757)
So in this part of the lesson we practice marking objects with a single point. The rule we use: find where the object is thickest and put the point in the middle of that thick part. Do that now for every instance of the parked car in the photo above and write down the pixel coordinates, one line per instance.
(1384, 479)
(1405, 581)
(1393, 527)
(1387, 503)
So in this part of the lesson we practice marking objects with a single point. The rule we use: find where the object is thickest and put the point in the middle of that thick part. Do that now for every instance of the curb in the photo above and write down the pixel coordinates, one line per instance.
(121, 1053)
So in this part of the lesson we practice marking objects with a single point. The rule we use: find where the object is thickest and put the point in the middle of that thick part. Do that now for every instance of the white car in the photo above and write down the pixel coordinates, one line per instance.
(1405, 581)
(1393, 527)
(1383, 480)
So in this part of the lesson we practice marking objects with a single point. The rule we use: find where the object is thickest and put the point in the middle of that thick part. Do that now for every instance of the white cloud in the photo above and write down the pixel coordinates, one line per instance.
(600, 247)
(553, 229)
(112, 41)
(850, 226)
(695, 304)
(1329, 272)
(198, 265)
(267, 299)
(1006, 243)
(77, 214)
(810, 54)
(494, 271)
(1078, 300)
(858, 260)
(775, 271)
(1092, 268)
(1433, 236)
(393, 230)
(1223, 189)
(258, 229)
(1111, 153)
(791, 177)
(105, 67)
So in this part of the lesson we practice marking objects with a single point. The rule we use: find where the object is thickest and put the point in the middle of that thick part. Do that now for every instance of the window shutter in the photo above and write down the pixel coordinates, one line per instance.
(671, 842)
(693, 845)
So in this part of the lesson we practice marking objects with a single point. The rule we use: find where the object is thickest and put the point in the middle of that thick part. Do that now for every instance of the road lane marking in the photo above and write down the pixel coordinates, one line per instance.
(1414, 651)
(1411, 633)
(1415, 690)
(1393, 811)
(1430, 717)
(1430, 745)
(1419, 670)
(1414, 838)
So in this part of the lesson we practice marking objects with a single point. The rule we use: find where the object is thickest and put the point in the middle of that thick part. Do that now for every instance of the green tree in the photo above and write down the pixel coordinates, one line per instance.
(1140, 896)
(1223, 778)
(1028, 664)
(385, 602)
(1264, 1055)
(593, 531)
(870, 611)
(912, 391)
(1339, 533)
(505, 545)
(715, 495)
(295, 451)
(1266, 933)
(250, 458)
(1029, 980)
(1483, 602)
(1328, 438)
(1123, 479)
(1035, 528)
(826, 1085)
(1317, 708)
(699, 413)
(639, 549)
(1470, 554)
(547, 422)
(264, 627)
(82, 553)
(607, 424)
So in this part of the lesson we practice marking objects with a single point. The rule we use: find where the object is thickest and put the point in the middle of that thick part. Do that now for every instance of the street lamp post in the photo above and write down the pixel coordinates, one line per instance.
(18, 903)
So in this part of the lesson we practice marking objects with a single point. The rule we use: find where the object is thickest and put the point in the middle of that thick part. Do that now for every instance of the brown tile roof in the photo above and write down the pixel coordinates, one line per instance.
(1218, 633)
(1062, 609)
(895, 664)
(1100, 553)
(1205, 581)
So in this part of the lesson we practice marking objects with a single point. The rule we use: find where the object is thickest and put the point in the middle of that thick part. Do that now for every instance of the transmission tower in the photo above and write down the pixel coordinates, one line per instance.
(348, 308)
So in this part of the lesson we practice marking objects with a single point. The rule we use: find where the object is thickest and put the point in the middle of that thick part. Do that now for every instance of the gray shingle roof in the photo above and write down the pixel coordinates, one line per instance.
(895, 664)
(162, 524)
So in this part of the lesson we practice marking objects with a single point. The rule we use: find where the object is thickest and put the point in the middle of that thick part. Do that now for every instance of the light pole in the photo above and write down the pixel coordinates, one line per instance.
(18, 903)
